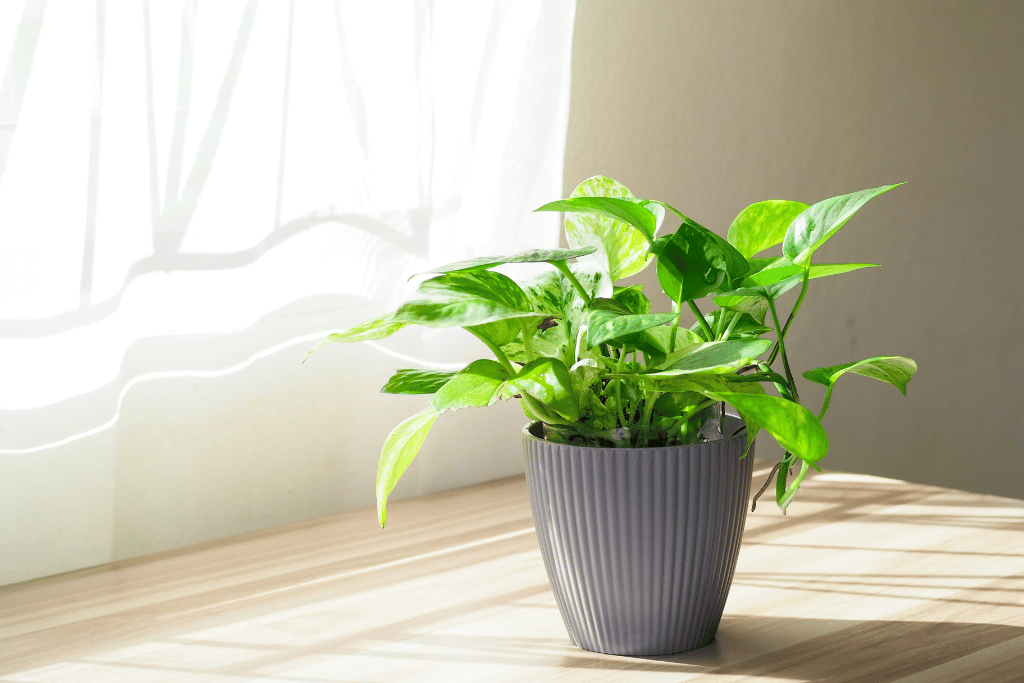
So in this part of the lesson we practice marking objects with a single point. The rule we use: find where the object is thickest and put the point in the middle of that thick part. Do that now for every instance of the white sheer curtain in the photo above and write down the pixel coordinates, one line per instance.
(191, 194)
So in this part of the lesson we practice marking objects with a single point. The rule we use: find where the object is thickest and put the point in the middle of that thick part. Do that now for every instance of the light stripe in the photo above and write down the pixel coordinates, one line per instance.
(171, 374)
(357, 572)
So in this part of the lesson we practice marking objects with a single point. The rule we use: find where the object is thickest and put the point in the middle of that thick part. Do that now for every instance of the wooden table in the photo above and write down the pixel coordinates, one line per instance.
(866, 579)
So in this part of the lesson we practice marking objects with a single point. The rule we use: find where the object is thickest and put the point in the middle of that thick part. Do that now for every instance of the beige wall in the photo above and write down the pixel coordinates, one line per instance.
(713, 105)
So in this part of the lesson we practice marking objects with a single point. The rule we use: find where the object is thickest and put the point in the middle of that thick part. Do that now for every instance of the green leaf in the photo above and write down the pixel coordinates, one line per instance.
(548, 381)
(499, 332)
(675, 403)
(736, 265)
(746, 326)
(608, 305)
(375, 328)
(621, 246)
(690, 266)
(696, 260)
(820, 221)
(465, 299)
(632, 298)
(477, 385)
(896, 370)
(603, 325)
(719, 356)
(531, 256)
(795, 428)
(771, 283)
(640, 214)
(755, 305)
(762, 225)
(401, 446)
(411, 381)
(546, 293)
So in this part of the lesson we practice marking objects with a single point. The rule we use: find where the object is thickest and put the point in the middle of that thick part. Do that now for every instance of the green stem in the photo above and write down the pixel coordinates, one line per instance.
(564, 268)
(700, 406)
(792, 314)
(700, 318)
(799, 299)
(618, 387)
(782, 348)
(649, 400)
(498, 353)
(732, 325)
(824, 404)
(781, 478)
(675, 328)
(527, 347)
(783, 391)
(787, 496)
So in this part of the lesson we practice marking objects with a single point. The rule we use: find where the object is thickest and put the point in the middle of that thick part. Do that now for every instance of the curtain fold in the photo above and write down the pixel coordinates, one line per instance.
(192, 194)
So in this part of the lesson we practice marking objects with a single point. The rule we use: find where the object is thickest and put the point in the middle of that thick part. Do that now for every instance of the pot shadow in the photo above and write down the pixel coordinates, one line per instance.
(779, 648)
(836, 650)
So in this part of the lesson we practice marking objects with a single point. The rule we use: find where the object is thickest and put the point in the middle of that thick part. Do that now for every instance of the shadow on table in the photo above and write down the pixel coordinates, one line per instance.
(776, 647)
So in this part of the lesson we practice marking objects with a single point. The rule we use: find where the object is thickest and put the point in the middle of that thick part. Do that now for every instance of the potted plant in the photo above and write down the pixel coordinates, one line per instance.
(638, 476)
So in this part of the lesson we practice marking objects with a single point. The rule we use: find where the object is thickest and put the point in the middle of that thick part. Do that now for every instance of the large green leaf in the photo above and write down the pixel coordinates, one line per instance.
(690, 265)
(412, 381)
(531, 256)
(477, 385)
(603, 325)
(548, 381)
(762, 225)
(896, 370)
(621, 247)
(643, 215)
(465, 299)
(771, 283)
(795, 428)
(718, 356)
(820, 221)
(736, 265)
(401, 446)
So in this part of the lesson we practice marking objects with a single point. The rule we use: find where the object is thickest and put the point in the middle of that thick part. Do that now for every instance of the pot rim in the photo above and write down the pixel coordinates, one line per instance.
(740, 433)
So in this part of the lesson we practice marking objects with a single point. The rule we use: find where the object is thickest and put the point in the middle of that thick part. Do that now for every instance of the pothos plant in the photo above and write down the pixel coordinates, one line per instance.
(592, 363)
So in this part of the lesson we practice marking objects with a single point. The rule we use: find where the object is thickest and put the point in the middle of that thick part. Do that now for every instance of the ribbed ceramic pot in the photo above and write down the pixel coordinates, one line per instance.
(640, 544)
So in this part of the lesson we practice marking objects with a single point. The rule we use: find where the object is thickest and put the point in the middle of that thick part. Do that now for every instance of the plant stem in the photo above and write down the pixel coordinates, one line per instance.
(618, 387)
(700, 318)
(498, 353)
(564, 268)
(799, 299)
(675, 328)
(767, 482)
(787, 496)
(780, 479)
(527, 347)
(700, 406)
(782, 348)
(824, 404)
(649, 399)
(792, 314)
(732, 325)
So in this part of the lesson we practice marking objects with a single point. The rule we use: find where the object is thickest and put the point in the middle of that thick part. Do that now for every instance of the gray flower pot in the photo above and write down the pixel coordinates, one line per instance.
(640, 544)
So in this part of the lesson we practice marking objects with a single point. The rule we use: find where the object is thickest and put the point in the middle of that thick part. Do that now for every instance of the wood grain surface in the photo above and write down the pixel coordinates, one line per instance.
(865, 579)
